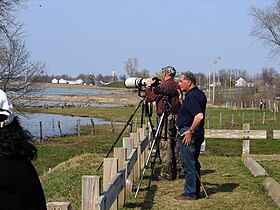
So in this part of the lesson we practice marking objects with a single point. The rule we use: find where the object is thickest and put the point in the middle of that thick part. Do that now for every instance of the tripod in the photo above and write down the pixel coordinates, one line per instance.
(145, 112)
(156, 143)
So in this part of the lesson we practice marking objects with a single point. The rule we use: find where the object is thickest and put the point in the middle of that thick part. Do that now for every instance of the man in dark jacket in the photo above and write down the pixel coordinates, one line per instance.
(190, 122)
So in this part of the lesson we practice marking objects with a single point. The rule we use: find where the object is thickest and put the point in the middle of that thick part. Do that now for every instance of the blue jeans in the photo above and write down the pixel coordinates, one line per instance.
(189, 159)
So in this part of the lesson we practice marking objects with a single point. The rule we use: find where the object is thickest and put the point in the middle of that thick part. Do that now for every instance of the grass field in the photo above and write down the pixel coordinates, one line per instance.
(227, 181)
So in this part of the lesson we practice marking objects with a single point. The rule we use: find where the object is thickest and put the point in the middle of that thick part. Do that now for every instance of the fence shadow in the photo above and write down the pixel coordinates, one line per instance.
(148, 200)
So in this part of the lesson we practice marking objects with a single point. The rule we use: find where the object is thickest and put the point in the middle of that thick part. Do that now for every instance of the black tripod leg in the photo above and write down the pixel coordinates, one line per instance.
(154, 143)
(147, 114)
(153, 163)
(127, 123)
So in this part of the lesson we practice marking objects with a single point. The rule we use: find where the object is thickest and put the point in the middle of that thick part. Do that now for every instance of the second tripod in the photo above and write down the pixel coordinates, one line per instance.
(154, 150)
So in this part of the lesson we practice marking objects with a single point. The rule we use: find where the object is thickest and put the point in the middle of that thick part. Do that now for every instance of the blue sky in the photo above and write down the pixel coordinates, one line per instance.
(98, 36)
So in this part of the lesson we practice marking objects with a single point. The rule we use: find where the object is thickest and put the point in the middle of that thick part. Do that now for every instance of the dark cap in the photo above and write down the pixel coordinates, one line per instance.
(170, 70)
(190, 76)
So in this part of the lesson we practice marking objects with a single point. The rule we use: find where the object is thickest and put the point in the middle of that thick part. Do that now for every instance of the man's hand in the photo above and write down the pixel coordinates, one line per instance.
(150, 82)
(187, 137)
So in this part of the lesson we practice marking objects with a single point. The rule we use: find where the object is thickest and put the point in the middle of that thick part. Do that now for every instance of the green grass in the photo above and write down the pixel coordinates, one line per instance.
(226, 180)
(269, 122)
(119, 114)
(118, 84)
(56, 151)
(122, 114)
(228, 183)
(272, 168)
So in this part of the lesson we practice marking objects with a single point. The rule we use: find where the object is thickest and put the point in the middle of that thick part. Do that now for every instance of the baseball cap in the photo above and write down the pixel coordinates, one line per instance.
(190, 76)
(170, 70)
(6, 110)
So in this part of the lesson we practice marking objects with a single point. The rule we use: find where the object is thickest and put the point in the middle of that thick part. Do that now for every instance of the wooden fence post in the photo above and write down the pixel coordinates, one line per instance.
(120, 153)
(136, 168)
(135, 124)
(79, 127)
(92, 127)
(220, 122)
(254, 113)
(128, 144)
(53, 126)
(59, 206)
(90, 191)
(246, 141)
(274, 114)
(144, 156)
(110, 170)
(41, 132)
(112, 126)
(208, 120)
(263, 118)
(59, 128)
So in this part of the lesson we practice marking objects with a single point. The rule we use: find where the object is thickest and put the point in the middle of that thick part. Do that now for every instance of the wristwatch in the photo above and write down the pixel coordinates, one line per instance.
(191, 131)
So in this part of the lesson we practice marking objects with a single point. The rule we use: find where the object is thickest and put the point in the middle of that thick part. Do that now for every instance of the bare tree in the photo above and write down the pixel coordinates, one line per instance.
(131, 66)
(269, 75)
(9, 26)
(267, 27)
(143, 74)
(19, 74)
(229, 76)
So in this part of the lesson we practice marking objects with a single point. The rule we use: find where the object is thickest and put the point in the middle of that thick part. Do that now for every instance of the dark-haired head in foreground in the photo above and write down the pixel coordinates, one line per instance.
(20, 187)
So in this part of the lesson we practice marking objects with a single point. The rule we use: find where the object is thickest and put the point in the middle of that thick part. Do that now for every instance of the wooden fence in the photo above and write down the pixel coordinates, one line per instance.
(271, 105)
(119, 173)
(125, 167)
(237, 121)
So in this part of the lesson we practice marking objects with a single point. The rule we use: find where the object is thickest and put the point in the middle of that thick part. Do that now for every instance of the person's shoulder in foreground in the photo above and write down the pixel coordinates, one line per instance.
(20, 187)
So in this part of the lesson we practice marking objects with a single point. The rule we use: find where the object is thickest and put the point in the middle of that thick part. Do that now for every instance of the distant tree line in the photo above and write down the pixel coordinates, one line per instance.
(22, 75)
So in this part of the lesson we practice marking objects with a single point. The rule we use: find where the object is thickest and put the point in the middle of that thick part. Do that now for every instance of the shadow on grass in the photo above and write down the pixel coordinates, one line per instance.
(206, 171)
(216, 188)
(148, 199)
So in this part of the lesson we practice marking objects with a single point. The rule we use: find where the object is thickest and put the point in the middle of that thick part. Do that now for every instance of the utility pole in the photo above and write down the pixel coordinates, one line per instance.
(215, 61)
(209, 92)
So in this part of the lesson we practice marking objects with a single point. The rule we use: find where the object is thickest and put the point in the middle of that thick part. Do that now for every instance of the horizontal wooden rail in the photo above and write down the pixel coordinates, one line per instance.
(111, 192)
(235, 134)
(118, 182)
(143, 144)
(129, 163)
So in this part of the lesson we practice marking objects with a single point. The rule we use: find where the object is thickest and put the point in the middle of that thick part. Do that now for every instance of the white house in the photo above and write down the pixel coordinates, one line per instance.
(62, 81)
(240, 82)
(54, 80)
(75, 82)
(79, 81)
(70, 82)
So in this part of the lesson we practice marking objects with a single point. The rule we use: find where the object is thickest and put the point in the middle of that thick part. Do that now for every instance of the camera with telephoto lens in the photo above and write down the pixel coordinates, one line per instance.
(136, 82)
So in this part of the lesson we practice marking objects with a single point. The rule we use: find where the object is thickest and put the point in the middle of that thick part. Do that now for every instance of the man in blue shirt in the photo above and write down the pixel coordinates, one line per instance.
(190, 122)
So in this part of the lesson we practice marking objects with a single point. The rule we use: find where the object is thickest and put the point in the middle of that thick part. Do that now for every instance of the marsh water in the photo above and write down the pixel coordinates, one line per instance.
(68, 124)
